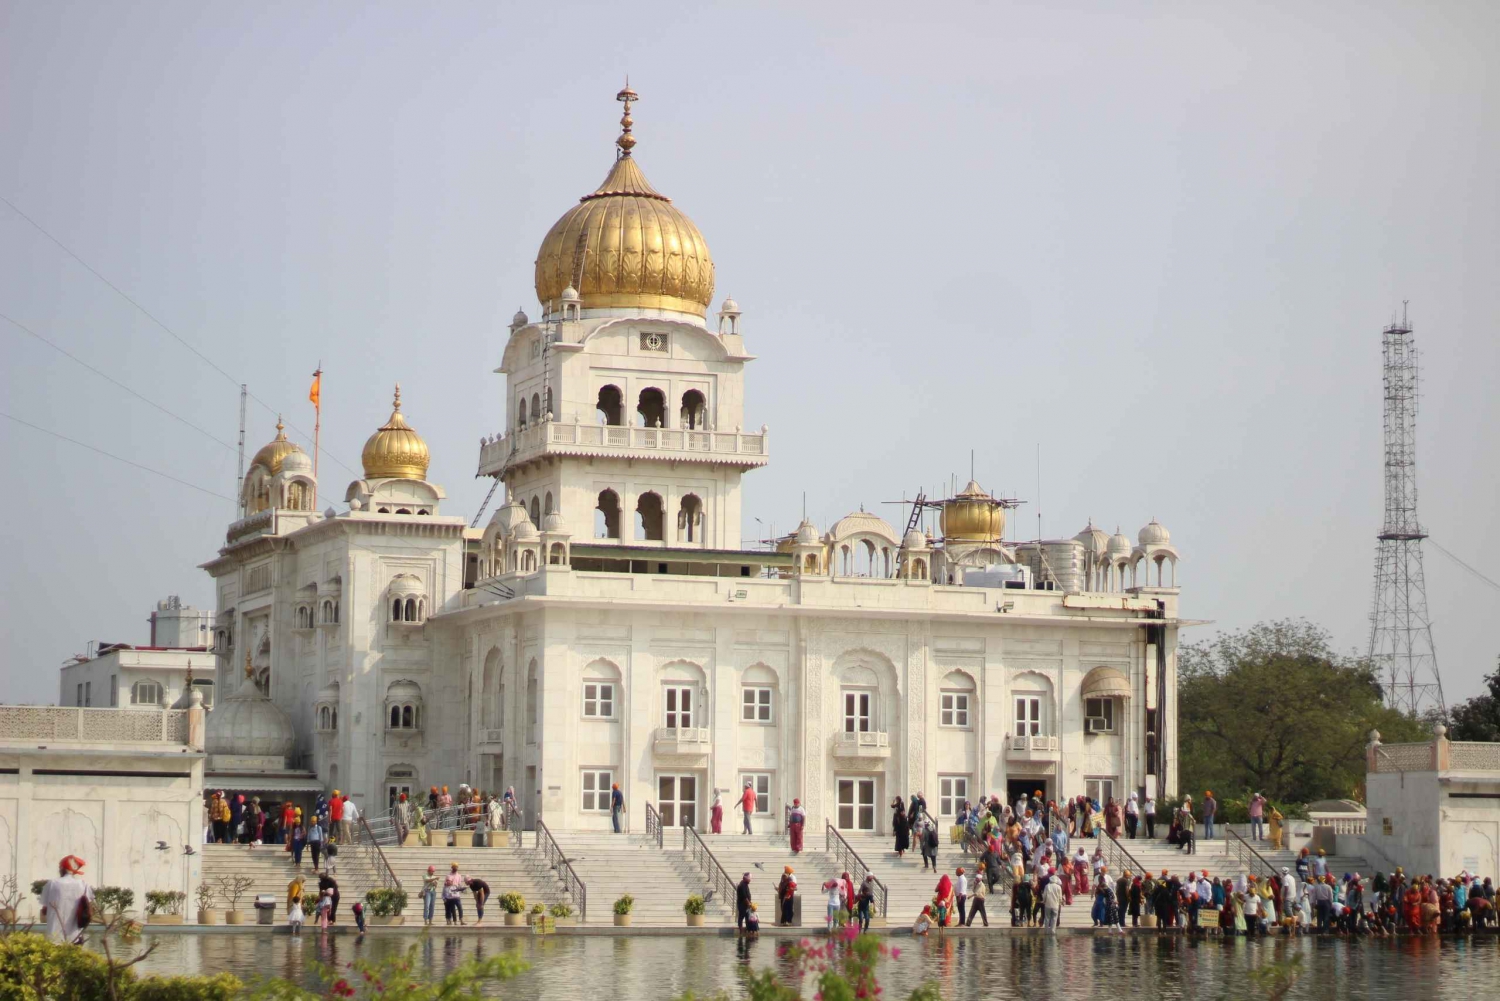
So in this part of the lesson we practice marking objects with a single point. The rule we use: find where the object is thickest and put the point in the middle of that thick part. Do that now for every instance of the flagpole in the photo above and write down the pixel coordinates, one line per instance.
(317, 428)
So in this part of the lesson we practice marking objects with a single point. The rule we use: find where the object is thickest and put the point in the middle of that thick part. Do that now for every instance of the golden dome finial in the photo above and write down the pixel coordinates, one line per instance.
(280, 429)
(396, 403)
(626, 142)
(396, 451)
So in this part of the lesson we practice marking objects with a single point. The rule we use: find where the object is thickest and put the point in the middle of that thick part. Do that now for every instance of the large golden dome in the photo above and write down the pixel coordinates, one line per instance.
(626, 244)
(273, 452)
(973, 516)
(396, 451)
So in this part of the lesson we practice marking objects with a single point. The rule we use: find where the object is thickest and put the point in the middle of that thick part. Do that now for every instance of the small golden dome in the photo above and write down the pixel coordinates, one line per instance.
(273, 452)
(973, 516)
(396, 451)
(626, 244)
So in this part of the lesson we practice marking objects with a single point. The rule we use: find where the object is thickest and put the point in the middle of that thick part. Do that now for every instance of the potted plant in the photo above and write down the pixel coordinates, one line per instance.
(386, 906)
(10, 903)
(513, 904)
(622, 910)
(206, 913)
(463, 837)
(234, 887)
(695, 907)
(562, 914)
(164, 907)
(537, 910)
(113, 901)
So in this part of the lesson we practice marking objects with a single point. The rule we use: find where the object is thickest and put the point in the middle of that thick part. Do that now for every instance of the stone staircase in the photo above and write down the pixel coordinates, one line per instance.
(764, 856)
(660, 880)
(270, 869)
(1218, 858)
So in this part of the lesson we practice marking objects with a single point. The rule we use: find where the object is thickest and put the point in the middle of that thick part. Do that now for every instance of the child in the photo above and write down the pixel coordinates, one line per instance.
(294, 917)
(325, 907)
(330, 852)
(359, 916)
(752, 922)
(834, 888)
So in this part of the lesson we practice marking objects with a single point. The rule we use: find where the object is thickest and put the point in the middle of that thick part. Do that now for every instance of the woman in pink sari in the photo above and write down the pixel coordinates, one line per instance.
(1065, 876)
(795, 821)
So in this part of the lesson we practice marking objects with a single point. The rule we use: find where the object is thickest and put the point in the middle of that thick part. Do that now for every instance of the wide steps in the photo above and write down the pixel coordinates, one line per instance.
(660, 880)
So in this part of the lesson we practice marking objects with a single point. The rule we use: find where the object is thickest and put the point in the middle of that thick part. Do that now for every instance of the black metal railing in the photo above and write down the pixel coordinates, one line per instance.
(849, 860)
(1116, 856)
(653, 824)
(374, 857)
(513, 821)
(718, 880)
(559, 863)
(1247, 856)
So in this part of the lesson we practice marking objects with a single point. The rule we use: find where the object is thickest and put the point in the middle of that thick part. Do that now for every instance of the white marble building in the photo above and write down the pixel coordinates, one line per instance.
(608, 624)
(155, 675)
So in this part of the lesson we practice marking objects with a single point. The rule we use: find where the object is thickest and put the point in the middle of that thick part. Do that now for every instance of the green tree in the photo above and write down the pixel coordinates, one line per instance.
(1479, 717)
(1273, 709)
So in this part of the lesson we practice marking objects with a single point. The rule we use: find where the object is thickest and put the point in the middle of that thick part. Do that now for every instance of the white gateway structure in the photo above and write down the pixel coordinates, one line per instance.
(609, 626)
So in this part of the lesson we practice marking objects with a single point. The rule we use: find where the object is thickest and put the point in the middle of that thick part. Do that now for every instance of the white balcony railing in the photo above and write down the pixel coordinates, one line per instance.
(1034, 743)
(862, 744)
(558, 438)
(62, 724)
(491, 735)
(682, 739)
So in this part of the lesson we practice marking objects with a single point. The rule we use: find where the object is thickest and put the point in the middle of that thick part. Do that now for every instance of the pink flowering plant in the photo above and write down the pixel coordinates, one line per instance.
(842, 967)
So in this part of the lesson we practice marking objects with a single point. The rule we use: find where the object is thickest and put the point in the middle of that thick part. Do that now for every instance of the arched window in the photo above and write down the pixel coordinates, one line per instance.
(919, 569)
(810, 563)
(528, 561)
(546, 506)
(690, 519)
(145, 693)
(407, 721)
(610, 408)
(607, 515)
(547, 407)
(396, 610)
(411, 610)
(521, 413)
(651, 408)
(536, 512)
(536, 408)
(694, 410)
(648, 517)
(395, 717)
(555, 557)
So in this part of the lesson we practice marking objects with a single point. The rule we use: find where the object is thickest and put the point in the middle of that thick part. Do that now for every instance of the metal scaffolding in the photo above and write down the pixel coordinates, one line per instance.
(1401, 649)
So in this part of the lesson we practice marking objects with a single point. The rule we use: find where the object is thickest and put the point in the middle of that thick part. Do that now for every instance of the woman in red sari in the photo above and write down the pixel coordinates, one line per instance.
(944, 903)
(1065, 875)
(796, 820)
(1411, 907)
(1112, 818)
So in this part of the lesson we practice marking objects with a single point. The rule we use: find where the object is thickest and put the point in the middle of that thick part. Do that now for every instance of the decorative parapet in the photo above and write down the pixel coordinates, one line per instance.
(598, 440)
(69, 724)
(1436, 755)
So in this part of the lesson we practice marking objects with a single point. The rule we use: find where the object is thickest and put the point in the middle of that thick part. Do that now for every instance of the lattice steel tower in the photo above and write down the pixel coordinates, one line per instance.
(1401, 648)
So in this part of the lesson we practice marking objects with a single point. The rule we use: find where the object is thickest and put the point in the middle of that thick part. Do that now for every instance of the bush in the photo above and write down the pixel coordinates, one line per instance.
(113, 900)
(165, 901)
(385, 903)
(33, 968)
(624, 904)
(220, 987)
(512, 903)
(695, 904)
(561, 909)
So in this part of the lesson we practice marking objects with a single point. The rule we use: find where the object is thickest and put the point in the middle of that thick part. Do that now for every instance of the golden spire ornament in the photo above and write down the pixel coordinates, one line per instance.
(626, 142)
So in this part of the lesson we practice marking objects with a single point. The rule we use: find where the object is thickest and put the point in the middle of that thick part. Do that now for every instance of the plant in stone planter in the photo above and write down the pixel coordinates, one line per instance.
(561, 909)
(206, 913)
(113, 901)
(386, 905)
(537, 910)
(622, 909)
(164, 907)
(10, 903)
(695, 907)
(513, 904)
(233, 888)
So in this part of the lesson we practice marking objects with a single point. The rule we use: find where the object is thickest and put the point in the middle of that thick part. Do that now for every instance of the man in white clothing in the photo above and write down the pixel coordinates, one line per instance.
(1288, 890)
(61, 898)
(1052, 898)
(350, 824)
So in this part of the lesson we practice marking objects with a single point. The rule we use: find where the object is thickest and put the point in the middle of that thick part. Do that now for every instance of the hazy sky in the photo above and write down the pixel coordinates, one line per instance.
(1159, 241)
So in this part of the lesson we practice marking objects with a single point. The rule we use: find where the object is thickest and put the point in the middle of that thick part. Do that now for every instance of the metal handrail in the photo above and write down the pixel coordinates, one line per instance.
(515, 823)
(719, 881)
(653, 824)
(1245, 853)
(388, 875)
(849, 859)
(559, 862)
(1133, 864)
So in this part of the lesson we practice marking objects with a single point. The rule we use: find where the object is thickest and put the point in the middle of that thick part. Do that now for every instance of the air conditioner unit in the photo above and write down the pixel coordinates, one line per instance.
(1095, 724)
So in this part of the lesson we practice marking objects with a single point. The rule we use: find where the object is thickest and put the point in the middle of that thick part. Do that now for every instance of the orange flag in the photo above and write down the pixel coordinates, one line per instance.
(315, 393)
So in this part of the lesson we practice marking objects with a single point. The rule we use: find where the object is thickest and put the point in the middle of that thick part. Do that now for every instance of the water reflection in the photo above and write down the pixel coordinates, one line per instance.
(1067, 967)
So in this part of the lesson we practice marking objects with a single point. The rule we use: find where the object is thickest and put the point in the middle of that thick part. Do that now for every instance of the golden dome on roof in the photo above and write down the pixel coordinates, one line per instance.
(973, 515)
(626, 244)
(396, 451)
(273, 452)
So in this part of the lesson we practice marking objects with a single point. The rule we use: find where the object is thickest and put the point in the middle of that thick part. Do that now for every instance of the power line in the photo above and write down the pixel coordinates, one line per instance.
(117, 458)
(1461, 563)
(150, 316)
(109, 378)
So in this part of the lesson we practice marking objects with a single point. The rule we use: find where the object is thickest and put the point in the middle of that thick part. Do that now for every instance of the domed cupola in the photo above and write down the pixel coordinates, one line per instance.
(973, 516)
(626, 245)
(256, 492)
(274, 452)
(248, 724)
(396, 451)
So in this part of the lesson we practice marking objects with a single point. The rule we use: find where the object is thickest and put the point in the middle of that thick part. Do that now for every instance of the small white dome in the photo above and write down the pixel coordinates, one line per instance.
(915, 540)
(507, 517)
(554, 523)
(520, 319)
(1119, 545)
(1155, 534)
(730, 306)
(570, 294)
(297, 462)
(525, 530)
(404, 691)
(249, 724)
(1094, 540)
(806, 532)
(405, 584)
